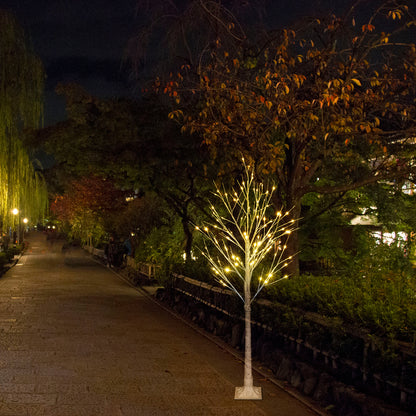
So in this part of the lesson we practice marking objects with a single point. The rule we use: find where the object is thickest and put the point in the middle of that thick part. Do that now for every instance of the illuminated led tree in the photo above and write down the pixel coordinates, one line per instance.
(249, 247)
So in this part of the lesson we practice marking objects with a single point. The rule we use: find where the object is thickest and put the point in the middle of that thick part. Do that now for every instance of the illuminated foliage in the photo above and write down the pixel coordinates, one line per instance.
(21, 89)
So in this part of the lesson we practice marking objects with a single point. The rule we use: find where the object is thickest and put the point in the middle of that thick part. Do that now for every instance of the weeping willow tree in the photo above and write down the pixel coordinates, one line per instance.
(21, 106)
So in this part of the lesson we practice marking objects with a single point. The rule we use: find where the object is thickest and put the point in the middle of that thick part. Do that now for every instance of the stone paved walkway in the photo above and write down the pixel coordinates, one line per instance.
(77, 340)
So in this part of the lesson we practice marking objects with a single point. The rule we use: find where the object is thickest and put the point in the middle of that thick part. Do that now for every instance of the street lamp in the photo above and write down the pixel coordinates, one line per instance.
(25, 222)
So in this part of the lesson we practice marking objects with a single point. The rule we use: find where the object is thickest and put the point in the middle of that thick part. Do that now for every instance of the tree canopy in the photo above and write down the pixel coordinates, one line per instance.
(89, 208)
(325, 107)
(183, 30)
(132, 143)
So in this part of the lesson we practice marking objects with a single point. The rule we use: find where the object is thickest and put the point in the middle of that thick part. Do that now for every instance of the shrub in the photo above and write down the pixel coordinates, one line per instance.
(12, 251)
(4, 259)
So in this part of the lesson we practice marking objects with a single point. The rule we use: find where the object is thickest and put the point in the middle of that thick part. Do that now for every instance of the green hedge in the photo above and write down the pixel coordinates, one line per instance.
(4, 259)
(7, 256)
(385, 305)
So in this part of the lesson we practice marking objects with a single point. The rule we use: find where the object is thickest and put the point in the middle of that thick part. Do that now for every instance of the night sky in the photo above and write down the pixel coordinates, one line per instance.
(81, 41)
(84, 40)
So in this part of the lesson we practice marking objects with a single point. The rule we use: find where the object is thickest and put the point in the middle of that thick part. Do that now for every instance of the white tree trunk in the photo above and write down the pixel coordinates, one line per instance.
(248, 372)
(248, 391)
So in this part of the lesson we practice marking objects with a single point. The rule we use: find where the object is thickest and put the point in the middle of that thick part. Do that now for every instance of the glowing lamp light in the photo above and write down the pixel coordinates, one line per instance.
(25, 220)
(15, 211)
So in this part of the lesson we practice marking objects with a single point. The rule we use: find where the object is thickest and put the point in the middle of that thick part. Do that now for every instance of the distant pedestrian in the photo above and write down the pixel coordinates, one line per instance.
(110, 252)
(128, 250)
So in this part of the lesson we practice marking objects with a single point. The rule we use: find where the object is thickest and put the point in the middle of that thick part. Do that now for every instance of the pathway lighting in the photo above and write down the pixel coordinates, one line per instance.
(25, 222)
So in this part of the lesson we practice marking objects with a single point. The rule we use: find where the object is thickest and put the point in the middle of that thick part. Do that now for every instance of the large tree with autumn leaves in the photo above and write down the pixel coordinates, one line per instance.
(325, 107)
(89, 208)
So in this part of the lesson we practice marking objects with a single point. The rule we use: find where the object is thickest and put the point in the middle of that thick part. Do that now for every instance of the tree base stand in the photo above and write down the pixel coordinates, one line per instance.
(248, 393)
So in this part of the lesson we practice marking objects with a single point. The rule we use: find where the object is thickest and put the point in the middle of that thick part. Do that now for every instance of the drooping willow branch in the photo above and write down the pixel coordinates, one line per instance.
(21, 106)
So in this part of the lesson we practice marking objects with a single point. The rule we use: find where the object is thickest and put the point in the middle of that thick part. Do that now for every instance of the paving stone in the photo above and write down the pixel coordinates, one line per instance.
(15, 409)
(16, 388)
(29, 398)
(82, 410)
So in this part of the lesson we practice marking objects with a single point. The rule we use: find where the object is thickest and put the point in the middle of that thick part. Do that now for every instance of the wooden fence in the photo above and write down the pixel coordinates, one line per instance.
(145, 269)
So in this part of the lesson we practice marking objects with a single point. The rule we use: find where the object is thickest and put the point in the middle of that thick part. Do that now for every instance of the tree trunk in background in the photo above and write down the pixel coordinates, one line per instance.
(188, 238)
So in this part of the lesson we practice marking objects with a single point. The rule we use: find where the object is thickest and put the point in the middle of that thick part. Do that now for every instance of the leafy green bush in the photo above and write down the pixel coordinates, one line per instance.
(7, 256)
(383, 303)
(12, 251)
(4, 259)
(377, 291)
